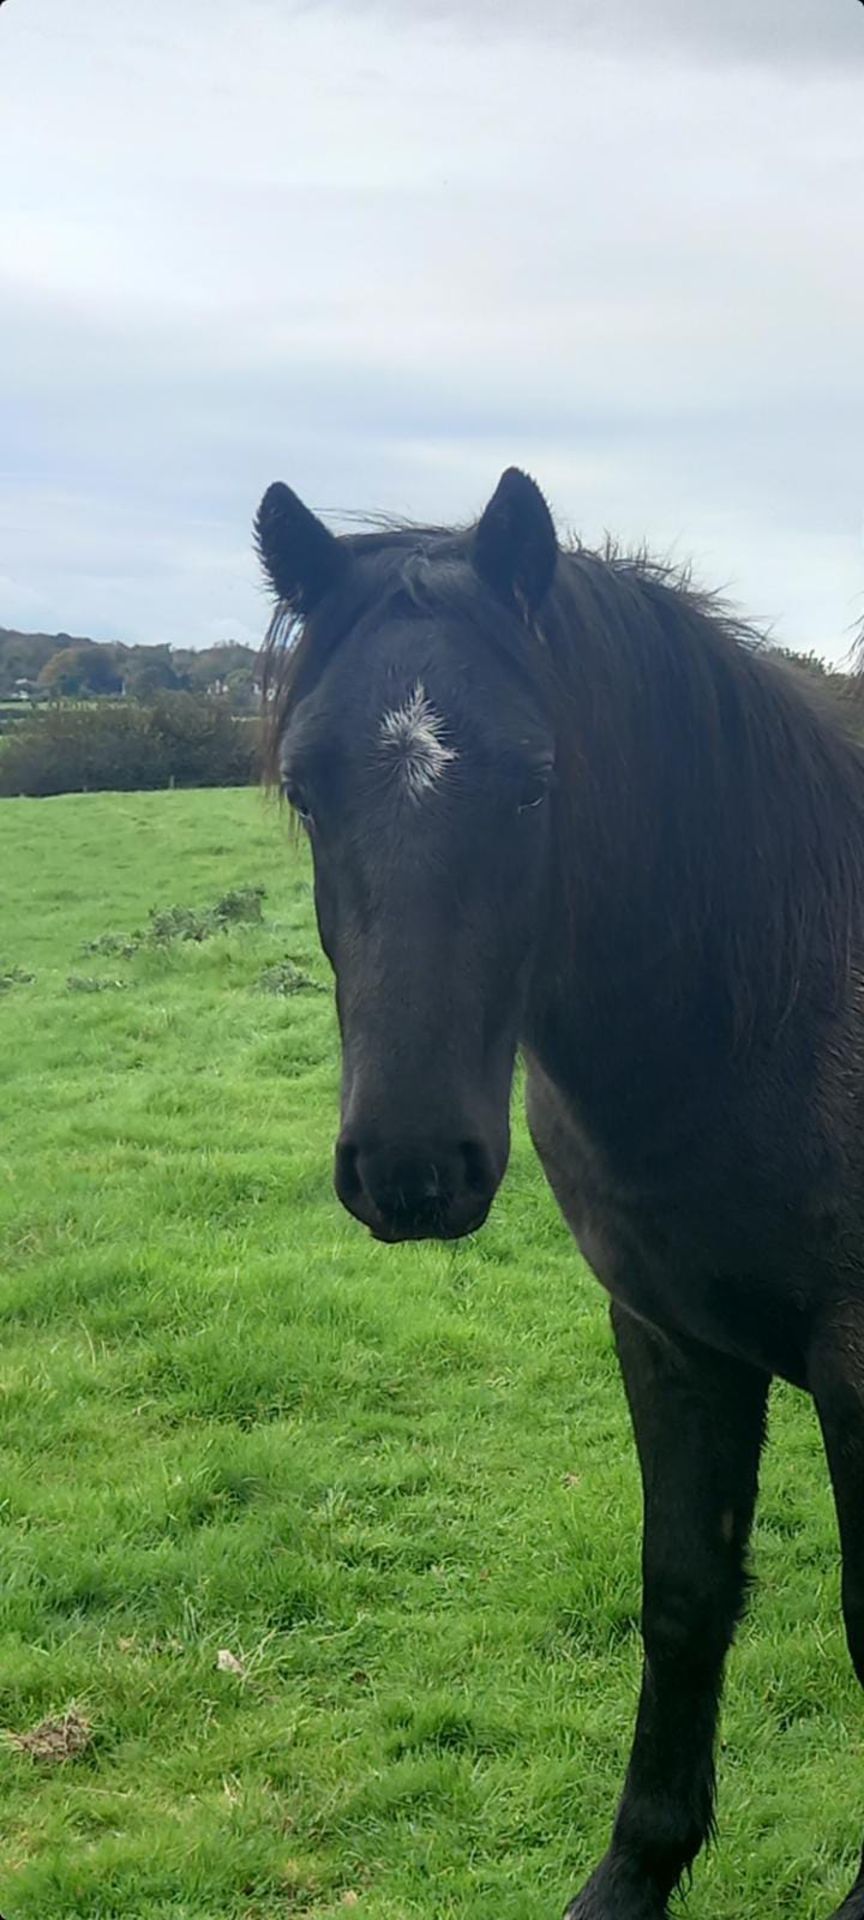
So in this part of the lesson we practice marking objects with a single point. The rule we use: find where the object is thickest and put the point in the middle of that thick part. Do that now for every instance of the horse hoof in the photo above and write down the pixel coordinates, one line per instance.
(609, 1897)
(587, 1907)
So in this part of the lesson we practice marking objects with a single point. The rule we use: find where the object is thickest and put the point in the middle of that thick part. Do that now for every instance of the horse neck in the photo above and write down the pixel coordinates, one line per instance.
(663, 950)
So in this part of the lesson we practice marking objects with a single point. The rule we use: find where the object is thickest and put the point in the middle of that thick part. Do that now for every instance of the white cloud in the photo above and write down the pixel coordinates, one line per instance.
(776, 32)
(385, 254)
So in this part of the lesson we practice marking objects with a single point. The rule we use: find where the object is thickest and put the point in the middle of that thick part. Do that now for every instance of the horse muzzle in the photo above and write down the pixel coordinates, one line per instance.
(432, 1191)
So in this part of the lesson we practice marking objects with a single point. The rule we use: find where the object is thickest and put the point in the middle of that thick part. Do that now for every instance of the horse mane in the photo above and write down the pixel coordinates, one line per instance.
(708, 795)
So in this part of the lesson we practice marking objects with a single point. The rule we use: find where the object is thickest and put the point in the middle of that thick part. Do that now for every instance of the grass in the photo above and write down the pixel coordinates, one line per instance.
(395, 1486)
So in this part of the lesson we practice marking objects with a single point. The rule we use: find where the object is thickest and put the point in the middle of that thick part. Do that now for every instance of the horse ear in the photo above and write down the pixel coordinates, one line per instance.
(515, 548)
(301, 557)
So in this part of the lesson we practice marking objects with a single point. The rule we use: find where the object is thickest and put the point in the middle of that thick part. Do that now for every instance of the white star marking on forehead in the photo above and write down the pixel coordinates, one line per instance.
(413, 732)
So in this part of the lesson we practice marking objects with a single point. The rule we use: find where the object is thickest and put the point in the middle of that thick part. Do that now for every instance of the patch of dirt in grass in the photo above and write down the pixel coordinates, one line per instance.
(55, 1740)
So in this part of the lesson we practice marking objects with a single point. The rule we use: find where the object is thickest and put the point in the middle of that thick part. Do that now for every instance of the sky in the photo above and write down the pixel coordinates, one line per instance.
(382, 249)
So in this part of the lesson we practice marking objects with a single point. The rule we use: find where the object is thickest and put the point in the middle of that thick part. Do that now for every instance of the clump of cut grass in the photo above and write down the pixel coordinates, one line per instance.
(16, 977)
(286, 978)
(123, 945)
(240, 906)
(93, 983)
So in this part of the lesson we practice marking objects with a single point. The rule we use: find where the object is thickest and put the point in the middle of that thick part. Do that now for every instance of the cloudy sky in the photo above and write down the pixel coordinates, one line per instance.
(382, 248)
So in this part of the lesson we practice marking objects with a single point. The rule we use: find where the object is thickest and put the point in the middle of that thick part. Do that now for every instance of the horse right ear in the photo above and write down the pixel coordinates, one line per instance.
(515, 548)
(301, 557)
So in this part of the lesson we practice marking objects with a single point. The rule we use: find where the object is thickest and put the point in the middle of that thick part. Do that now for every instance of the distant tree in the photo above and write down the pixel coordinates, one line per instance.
(81, 670)
(229, 668)
(64, 672)
(150, 670)
(22, 657)
(242, 690)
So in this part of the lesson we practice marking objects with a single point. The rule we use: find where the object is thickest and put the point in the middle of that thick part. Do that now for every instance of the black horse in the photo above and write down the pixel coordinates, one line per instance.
(559, 801)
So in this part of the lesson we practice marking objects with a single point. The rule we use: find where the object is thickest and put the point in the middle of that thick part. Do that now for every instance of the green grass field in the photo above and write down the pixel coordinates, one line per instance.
(395, 1485)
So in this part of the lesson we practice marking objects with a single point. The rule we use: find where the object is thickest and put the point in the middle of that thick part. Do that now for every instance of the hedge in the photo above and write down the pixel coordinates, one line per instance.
(178, 740)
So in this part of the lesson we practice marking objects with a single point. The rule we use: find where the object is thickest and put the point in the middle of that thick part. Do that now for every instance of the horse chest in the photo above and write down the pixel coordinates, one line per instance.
(658, 1257)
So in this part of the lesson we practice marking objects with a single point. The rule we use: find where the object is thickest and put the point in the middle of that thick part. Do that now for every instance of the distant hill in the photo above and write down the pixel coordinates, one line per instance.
(40, 665)
(8, 635)
(23, 655)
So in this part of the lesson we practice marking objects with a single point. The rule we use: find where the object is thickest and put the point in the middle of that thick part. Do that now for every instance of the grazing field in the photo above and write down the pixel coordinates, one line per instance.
(319, 1559)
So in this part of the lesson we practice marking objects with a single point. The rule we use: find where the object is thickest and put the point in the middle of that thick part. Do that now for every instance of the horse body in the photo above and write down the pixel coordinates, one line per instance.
(735, 1220)
(559, 801)
(647, 1245)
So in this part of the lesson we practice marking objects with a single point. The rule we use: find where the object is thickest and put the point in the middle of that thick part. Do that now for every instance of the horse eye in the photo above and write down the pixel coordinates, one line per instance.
(535, 788)
(297, 800)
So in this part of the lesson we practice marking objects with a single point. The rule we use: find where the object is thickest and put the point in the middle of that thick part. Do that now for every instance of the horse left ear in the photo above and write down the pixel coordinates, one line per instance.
(515, 548)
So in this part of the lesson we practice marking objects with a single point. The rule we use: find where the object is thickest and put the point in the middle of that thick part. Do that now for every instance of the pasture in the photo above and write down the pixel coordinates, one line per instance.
(395, 1486)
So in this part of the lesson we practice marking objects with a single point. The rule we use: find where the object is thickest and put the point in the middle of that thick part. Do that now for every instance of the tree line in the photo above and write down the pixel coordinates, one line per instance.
(39, 666)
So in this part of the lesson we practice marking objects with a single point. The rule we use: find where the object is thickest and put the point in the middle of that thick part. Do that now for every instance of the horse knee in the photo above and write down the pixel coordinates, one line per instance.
(687, 1626)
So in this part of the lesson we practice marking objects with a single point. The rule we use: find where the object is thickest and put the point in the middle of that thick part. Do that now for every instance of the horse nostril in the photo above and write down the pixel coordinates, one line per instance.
(420, 1189)
(476, 1166)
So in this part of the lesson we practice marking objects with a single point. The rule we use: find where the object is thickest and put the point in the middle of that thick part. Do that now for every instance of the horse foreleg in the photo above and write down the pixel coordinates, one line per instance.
(837, 1383)
(699, 1420)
